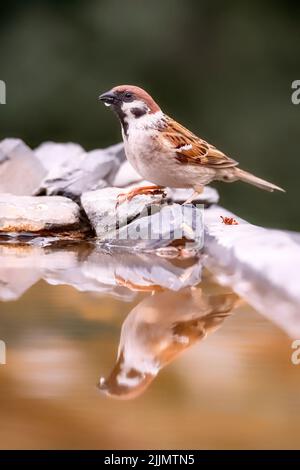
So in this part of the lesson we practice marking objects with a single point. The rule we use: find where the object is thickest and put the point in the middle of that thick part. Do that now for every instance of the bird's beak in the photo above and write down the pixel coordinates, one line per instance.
(109, 98)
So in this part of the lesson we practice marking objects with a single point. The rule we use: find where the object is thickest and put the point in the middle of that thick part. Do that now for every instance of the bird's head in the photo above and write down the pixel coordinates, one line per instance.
(129, 102)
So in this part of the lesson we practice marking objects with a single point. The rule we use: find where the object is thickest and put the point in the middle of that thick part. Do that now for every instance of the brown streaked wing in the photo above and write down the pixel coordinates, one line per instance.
(192, 150)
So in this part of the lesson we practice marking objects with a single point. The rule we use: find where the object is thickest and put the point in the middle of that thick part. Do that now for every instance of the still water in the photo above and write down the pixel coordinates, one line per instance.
(114, 350)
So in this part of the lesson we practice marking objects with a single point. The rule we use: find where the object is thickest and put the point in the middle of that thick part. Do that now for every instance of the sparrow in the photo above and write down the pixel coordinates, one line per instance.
(166, 153)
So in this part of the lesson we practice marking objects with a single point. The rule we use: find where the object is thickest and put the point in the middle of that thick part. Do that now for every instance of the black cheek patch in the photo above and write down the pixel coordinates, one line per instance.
(139, 112)
(121, 115)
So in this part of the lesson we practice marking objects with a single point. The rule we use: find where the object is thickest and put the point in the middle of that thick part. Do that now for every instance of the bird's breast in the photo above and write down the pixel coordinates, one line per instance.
(157, 163)
(142, 151)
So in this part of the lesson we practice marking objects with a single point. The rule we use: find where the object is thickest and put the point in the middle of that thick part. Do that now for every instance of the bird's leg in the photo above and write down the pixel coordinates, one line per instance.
(195, 194)
(122, 197)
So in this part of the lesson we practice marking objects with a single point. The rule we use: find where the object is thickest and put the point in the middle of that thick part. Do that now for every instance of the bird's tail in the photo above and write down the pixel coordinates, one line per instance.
(251, 179)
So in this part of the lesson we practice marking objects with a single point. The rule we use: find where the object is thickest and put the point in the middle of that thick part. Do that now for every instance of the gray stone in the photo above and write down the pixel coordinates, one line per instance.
(36, 214)
(3, 157)
(117, 150)
(175, 224)
(106, 218)
(142, 223)
(126, 175)
(20, 171)
(261, 265)
(54, 156)
(79, 171)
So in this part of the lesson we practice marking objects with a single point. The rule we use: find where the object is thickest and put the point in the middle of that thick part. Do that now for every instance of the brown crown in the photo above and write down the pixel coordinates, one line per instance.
(139, 94)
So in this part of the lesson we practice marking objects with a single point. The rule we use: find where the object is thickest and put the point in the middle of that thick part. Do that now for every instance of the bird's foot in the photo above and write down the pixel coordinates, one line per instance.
(126, 197)
(194, 195)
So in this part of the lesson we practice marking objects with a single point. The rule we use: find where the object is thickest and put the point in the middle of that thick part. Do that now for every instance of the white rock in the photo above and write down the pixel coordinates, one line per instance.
(106, 218)
(35, 214)
(261, 265)
(54, 155)
(20, 171)
(75, 171)
(126, 176)
(172, 224)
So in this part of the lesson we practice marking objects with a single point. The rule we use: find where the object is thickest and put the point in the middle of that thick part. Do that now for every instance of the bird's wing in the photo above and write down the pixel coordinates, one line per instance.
(192, 150)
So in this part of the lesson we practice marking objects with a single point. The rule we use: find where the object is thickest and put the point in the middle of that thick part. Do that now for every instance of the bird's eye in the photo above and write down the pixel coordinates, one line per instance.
(127, 95)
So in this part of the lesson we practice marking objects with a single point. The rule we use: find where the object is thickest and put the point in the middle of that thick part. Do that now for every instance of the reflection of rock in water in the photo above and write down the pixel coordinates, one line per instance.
(89, 268)
(18, 271)
(157, 330)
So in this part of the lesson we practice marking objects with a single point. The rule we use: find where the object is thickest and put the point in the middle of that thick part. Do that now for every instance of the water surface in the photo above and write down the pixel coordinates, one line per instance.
(115, 350)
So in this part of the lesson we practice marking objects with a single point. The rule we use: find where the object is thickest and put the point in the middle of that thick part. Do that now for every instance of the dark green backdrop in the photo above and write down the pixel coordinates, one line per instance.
(223, 68)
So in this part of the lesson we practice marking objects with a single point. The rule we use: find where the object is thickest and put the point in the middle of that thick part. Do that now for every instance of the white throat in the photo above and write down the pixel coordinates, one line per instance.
(147, 121)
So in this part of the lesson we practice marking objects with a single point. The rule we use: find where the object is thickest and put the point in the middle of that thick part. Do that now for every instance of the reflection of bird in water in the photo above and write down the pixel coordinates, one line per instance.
(137, 287)
(157, 330)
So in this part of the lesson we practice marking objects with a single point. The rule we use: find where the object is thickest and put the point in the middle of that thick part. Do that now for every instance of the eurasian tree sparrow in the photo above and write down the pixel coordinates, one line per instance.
(164, 152)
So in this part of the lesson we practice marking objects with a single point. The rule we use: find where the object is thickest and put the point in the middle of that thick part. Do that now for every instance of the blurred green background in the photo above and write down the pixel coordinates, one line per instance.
(224, 69)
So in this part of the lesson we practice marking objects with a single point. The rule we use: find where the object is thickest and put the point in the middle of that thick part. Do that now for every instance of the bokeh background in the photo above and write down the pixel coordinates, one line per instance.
(222, 68)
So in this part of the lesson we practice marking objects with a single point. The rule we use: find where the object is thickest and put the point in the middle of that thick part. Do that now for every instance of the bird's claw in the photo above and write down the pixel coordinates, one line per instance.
(127, 197)
(122, 197)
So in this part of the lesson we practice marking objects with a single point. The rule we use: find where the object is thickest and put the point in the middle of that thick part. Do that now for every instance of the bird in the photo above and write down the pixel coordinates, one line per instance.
(166, 153)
